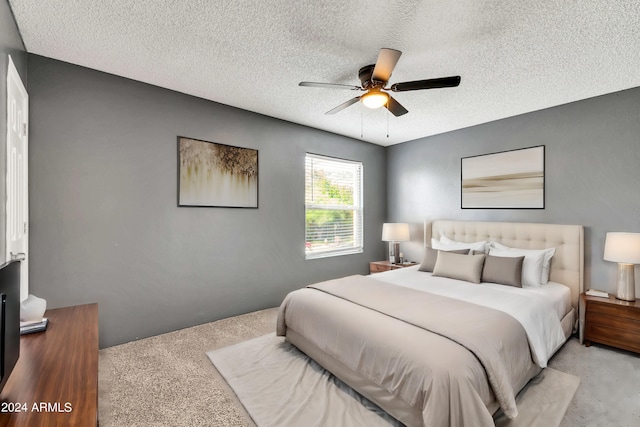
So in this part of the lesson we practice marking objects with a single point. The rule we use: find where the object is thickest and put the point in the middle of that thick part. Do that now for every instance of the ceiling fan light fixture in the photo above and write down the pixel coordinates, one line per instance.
(374, 78)
(374, 99)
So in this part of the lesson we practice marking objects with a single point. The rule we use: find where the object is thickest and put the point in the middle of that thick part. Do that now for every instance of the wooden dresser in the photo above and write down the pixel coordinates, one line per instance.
(611, 321)
(55, 382)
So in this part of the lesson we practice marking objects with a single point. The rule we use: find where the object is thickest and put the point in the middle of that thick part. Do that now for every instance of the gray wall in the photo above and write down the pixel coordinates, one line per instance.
(10, 44)
(592, 173)
(105, 226)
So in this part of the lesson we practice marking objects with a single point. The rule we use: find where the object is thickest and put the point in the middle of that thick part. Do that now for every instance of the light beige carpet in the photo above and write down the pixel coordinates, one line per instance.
(168, 380)
(282, 387)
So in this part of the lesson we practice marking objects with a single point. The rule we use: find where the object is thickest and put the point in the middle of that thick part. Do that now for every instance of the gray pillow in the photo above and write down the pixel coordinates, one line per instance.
(503, 270)
(461, 267)
(430, 256)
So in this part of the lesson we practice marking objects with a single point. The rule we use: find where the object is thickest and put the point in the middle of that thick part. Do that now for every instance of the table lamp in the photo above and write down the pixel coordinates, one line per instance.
(624, 248)
(395, 232)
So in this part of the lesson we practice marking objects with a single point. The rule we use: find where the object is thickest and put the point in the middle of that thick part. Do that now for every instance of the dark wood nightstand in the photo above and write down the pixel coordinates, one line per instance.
(379, 266)
(611, 321)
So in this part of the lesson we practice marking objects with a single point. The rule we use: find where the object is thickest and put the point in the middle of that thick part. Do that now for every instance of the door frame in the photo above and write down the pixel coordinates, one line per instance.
(14, 77)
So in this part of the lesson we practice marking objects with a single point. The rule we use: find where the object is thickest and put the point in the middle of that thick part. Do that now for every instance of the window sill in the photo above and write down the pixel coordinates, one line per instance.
(317, 255)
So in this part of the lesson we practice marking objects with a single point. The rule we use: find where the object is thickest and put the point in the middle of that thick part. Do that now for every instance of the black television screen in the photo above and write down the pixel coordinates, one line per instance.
(9, 318)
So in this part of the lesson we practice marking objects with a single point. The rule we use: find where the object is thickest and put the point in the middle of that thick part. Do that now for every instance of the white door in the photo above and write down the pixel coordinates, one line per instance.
(17, 246)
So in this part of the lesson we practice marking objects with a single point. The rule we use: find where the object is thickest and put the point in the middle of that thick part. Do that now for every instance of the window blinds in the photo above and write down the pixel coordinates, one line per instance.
(333, 206)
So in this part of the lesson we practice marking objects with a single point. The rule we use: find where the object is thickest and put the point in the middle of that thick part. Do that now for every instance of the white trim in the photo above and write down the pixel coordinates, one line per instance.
(14, 80)
(327, 254)
(357, 208)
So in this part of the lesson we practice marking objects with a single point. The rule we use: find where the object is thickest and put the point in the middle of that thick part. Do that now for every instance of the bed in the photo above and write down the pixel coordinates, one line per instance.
(438, 351)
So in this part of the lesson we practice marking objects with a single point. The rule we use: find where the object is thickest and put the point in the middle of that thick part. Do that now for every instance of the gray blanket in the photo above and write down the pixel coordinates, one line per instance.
(428, 360)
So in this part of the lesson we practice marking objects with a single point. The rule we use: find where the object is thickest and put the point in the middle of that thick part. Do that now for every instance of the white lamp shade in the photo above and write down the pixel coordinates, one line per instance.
(395, 232)
(622, 248)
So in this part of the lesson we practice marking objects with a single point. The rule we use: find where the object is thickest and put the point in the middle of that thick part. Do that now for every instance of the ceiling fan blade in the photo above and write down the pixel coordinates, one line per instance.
(387, 60)
(395, 107)
(329, 85)
(344, 105)
(426, 84)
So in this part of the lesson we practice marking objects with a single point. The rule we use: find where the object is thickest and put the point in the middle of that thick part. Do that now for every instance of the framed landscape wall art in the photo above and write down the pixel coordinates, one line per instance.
(218, 175)
(506, 180)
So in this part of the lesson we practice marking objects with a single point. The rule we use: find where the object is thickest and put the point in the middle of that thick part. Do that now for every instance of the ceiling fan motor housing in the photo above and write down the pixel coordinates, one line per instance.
(365, 74)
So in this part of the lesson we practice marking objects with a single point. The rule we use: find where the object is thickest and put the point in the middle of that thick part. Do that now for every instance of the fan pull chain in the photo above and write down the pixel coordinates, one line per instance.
(361, 125)
(387, 124)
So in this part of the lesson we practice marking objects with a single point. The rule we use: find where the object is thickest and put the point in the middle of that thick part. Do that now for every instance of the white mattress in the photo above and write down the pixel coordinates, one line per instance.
(538, 309)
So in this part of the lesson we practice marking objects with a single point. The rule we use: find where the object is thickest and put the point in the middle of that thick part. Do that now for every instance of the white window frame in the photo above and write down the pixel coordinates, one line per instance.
(357, 207)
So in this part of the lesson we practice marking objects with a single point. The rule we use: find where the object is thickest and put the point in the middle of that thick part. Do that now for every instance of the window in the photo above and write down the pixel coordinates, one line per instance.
(333, 206)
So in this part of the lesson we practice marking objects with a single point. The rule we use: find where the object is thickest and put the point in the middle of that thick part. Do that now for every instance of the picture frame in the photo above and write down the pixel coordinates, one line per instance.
(216, 175)
(513, 179)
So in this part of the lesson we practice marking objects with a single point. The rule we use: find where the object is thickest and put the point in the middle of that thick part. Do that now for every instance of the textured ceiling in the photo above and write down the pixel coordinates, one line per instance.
(513, 56)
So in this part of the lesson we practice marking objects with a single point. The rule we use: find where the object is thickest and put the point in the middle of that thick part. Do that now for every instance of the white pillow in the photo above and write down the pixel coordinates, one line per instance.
(452, 245)
(546, 264)
(497, 245)
(445, 239)
(531, 266)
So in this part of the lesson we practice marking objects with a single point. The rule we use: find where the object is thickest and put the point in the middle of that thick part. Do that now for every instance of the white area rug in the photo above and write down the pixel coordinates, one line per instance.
(544, 401)
(281, 387)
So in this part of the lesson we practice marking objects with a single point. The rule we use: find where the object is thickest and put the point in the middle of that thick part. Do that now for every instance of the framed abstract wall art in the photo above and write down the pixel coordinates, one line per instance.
(216, 175)
(506, 180)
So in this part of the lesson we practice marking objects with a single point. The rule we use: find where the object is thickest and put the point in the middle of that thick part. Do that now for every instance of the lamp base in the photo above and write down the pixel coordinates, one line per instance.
(626, 282)
(394, 252)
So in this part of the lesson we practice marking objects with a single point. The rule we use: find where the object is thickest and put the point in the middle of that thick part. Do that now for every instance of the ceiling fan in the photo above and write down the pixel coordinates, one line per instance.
(375, 77)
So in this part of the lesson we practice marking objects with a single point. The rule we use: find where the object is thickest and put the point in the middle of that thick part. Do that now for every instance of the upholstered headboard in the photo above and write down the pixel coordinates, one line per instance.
(567, 265)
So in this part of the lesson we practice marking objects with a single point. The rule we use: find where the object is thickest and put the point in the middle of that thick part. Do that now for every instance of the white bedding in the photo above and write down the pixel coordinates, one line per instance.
(538, 309)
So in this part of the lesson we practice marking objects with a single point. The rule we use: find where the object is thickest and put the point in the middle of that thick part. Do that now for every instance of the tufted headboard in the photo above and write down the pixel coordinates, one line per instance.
(567, 265)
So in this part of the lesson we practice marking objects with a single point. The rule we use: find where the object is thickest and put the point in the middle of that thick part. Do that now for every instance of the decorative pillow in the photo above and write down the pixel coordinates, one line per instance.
(546, 263)
(531, 266)
(457, 266)
(451, 245)
(431, 255)
(503, 270)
